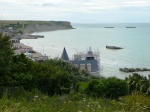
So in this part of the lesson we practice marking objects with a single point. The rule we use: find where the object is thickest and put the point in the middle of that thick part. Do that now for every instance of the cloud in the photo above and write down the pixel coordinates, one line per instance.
(63, 9)
(48, 4)
(84, 6)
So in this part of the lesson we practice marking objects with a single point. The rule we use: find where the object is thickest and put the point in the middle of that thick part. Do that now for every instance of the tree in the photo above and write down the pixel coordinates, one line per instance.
(6, 55)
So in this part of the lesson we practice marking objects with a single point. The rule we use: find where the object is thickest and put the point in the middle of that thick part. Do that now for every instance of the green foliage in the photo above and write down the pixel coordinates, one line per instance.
(51, 77)
(42, 103)
(37, 102)
(6, 54)
(135, 102)
(74, 74)
(81, 87)
(138, 83)
(22, 64)
(26, 81)
(107, 88)
(59, 83)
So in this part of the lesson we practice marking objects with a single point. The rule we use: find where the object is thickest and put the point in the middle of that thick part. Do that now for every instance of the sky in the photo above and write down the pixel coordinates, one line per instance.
(77, 11)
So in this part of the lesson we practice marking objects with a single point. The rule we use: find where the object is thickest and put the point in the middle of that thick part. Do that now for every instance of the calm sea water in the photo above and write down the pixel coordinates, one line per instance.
(135, 41)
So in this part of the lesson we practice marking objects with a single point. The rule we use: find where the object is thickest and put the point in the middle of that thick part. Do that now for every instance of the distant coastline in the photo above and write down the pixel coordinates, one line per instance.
(29, 27)
(49, 26)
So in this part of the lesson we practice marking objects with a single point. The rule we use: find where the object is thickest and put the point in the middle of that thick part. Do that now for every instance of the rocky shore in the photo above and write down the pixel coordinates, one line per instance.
(127, 70)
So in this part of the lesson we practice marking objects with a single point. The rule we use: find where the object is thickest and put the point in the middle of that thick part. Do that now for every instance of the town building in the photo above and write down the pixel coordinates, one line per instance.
(88, 61)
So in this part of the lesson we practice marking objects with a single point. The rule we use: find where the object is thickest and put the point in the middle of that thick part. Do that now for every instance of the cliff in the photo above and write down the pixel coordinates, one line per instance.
(41, 26)
(21, 26)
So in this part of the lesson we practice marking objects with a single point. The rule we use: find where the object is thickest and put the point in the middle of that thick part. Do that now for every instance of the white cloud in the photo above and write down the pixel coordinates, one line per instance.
(79, 5)
(59, 9)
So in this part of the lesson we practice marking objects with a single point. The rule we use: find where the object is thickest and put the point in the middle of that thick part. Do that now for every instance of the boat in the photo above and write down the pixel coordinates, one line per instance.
(113, 47)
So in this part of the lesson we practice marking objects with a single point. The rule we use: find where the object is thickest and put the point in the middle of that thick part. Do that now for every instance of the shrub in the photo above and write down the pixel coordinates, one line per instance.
(59, 83)
(108, 88)
(135, 102)
(138, 82)
(81, 87)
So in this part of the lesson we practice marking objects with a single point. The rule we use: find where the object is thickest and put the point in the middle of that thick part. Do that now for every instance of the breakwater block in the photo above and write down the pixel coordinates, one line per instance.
(127, 70)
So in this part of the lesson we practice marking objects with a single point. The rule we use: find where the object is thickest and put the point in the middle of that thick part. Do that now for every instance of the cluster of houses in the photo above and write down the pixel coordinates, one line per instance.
(86, 61)
(20, 47)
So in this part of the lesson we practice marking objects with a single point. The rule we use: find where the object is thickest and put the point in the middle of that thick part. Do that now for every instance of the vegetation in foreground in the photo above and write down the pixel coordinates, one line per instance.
(55, 85)
(135, 102)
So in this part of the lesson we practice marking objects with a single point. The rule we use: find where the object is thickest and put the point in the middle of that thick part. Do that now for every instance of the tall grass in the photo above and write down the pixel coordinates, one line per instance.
(74, 103)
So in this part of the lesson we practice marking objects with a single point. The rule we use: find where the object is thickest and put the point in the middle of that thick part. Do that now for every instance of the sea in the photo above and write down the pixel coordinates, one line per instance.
(134, 41)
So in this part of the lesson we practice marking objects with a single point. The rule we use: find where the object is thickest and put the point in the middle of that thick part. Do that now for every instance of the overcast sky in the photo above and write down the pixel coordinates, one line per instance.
(77, 11)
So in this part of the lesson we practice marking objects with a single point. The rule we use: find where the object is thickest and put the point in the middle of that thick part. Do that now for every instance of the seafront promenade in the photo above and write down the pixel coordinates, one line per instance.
(28, 51)
(20, 48)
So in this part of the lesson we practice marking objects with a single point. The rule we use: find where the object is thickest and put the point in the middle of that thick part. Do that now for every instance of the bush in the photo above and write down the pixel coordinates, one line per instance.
(138, 82)
(81, 86)
(135, 102)
(60, 83)
(107, 88)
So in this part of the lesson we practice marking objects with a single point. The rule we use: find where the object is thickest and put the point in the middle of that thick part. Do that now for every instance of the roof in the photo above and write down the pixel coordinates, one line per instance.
(89, 54)
(64, 55)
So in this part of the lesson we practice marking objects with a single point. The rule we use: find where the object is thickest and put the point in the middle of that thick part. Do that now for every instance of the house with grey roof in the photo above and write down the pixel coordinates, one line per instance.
(85, 61)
